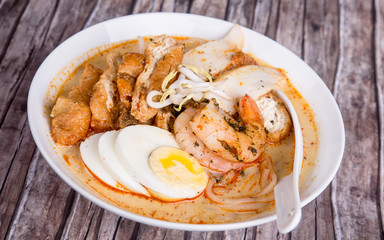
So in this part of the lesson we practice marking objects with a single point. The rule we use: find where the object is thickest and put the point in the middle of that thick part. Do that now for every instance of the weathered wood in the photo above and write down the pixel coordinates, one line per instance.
(78, 220)
(321, 53)
(241, 12)
(342, 41)
(149, 232)
(379, 75)
(269, 231)
(10, 14)
(39, 206)
(214, 8)
(266, 17)
(355, 199)
(13, 185)
(205, 235)
(28, 37)
(126, 229)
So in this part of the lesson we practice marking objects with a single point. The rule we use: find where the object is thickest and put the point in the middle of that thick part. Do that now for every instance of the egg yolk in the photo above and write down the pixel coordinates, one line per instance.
(170, 160)
(177, 168)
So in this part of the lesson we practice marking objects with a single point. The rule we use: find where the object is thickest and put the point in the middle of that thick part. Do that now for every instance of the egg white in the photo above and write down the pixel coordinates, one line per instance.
(90, 155)
(113, 166)
(134, 145)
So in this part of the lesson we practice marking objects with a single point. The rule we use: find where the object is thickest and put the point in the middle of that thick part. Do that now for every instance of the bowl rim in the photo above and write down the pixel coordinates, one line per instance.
(162, 223)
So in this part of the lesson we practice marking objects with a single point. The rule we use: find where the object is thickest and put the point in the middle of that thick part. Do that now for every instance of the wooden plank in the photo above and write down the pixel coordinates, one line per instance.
(269, 231)
(79, 218)
(105, 10)
(42, 204)
(126, 229)
(321, 38)
(290, 25)
(147, 6)
(241, 12)
(57, 32)
(108, 225)
(205, 235)
(355, 194)
(266, 17)
(27, 38)
(12, 69)
(13, 184)
(235, 234)
(379, 75)
(321, 53)
(17, 70)
(214, 8)
(148, 232)
(10, 13)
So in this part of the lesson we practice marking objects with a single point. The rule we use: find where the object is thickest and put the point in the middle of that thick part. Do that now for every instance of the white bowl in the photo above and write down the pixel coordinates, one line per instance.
(72, 52)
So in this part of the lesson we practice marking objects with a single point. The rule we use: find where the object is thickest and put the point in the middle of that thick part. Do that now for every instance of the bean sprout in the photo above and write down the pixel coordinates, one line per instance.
(188, 86)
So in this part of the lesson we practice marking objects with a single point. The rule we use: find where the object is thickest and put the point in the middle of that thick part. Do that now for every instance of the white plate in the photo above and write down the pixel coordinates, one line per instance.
(71, 53)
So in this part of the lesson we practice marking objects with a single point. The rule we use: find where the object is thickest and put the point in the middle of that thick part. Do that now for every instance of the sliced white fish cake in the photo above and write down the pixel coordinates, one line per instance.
(214, 56)
(112, 164)
(253, 80)
(91, 158)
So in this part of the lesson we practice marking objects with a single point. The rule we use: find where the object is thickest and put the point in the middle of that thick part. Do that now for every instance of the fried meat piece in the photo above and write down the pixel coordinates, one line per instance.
(163, 55)
(103, 100)
(277, 120)
(71, 115)
(125, 118)
(239, 59)
(130, 68)
(84, 90)
(71, 121)
(164, 119)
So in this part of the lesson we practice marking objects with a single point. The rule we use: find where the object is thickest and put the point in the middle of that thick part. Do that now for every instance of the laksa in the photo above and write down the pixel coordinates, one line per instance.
(181, 129)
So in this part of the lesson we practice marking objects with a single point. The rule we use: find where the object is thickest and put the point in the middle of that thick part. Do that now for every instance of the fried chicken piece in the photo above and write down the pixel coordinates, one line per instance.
(277, 120)
(71, 121)
(165, 119)
(130, 68)
(71, 115)
(163, 55)
(125, 118)
(103, 100)
(84, 90)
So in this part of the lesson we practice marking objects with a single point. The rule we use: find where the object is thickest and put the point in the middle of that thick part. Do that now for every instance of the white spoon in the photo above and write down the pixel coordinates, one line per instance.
(287, 198)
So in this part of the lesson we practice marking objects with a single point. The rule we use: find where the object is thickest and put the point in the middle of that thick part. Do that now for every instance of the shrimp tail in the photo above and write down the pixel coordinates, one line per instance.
(249, 111)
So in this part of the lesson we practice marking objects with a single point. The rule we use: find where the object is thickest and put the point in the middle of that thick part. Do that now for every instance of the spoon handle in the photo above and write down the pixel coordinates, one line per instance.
(287, 196)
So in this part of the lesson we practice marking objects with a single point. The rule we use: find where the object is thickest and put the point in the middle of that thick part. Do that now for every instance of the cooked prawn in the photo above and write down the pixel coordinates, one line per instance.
(237, 141)
(191, 144)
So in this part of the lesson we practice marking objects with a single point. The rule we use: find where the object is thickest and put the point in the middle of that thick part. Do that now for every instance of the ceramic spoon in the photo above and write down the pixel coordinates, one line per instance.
(287, 198)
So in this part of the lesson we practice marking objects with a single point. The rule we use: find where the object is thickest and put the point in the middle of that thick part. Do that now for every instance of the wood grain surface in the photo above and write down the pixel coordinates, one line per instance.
(343, 41)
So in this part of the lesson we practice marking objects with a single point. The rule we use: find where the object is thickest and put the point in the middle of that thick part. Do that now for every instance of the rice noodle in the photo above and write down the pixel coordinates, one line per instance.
(267, 182)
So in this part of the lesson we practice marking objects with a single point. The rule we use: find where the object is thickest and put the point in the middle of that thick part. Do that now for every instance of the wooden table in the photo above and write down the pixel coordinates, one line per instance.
(342, 41)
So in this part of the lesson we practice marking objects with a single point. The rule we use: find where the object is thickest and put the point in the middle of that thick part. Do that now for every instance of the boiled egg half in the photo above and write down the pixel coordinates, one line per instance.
(146, 160)
(152, 156)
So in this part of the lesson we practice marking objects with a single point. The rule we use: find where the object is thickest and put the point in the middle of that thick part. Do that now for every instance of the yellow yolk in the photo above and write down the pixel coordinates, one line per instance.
(171, 159)
(178, 168)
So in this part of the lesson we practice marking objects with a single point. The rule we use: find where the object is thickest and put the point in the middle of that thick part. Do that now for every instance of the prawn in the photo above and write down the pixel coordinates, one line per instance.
(188, 141)
(237, 141)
